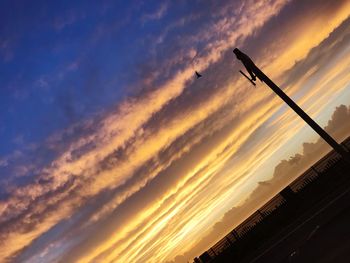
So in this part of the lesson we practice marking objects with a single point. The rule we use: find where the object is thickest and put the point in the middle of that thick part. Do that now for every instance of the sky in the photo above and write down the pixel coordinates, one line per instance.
(112, 151)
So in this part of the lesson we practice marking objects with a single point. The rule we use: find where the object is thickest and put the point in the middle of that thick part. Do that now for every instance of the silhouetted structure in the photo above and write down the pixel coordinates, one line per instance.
(326, 178)
(255, 72)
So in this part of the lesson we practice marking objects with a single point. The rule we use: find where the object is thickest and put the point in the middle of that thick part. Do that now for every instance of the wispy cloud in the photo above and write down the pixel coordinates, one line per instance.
(158, 14)
(138, 178)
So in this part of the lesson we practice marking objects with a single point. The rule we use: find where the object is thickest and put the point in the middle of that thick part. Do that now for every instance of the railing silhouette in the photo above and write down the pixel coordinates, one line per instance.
(330, 164)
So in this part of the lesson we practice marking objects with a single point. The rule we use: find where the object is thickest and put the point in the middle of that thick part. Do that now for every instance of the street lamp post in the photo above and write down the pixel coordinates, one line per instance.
(255, 72)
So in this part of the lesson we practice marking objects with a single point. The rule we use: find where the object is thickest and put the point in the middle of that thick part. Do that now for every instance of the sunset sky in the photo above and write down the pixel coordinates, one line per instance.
(112, 151)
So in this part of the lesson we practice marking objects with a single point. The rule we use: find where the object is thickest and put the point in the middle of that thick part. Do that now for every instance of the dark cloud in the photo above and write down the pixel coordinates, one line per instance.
(284, 28)
(331, 47)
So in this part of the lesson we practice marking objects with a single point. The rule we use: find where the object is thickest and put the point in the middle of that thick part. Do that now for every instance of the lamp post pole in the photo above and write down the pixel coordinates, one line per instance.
(254, 71)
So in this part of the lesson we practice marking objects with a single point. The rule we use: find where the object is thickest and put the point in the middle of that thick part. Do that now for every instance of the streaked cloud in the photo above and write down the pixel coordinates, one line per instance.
(157, 14)
(134, 182)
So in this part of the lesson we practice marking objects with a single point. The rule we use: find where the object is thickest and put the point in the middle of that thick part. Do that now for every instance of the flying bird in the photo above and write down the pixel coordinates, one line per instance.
(197, 74)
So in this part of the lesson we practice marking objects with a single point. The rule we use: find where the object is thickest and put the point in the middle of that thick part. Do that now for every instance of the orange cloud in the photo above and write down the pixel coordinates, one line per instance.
(129, 146)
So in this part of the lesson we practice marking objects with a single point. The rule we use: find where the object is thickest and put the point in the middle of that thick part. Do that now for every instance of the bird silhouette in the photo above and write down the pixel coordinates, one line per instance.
(198, 75)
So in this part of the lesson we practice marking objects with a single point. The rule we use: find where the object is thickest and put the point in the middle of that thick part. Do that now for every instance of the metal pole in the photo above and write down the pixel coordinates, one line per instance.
(249, 64)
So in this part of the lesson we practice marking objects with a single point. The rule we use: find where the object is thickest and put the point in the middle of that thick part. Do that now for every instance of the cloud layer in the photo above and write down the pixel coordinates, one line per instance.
(145, 180)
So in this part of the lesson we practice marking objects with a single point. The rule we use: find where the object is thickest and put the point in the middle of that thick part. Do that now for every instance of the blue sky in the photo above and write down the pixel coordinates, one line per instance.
(63, 62)
(56, 67)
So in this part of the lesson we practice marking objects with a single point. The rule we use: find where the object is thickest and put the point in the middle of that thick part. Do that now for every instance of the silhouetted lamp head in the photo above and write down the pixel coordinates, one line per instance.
(198, 75)
(238, 53)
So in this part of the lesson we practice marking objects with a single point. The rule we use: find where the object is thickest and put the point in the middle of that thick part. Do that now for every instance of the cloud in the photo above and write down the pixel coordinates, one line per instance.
(68, 19)
(338, 126)
(115, 132)
(157, 14)
(284, 172)
(6, 49)
(4, 161)
(135, 181)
